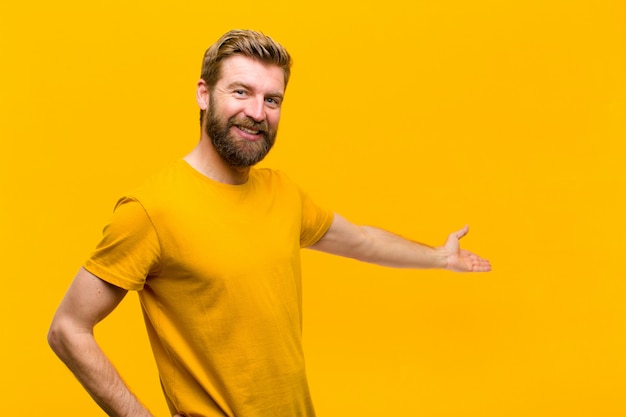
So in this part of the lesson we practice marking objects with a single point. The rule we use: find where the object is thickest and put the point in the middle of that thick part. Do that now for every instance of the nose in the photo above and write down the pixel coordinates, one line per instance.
(255, 109)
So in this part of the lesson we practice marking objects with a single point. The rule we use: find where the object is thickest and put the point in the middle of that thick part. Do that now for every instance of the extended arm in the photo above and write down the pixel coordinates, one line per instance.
(88, 301)
(373, 245)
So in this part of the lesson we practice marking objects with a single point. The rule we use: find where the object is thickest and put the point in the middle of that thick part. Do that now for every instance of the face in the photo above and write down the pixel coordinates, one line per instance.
(244, 110)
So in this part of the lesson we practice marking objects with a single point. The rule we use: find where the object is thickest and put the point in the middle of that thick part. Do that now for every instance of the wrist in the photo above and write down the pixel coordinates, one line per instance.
(441, 258)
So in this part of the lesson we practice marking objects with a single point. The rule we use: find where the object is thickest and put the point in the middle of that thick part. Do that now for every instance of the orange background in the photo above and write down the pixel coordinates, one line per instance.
(420, 117)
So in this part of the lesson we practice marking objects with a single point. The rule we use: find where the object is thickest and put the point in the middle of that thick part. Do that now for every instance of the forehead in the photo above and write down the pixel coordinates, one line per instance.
(241, 69)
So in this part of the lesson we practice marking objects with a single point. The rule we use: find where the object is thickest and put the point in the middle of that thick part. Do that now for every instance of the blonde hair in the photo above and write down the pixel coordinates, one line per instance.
(248, 43)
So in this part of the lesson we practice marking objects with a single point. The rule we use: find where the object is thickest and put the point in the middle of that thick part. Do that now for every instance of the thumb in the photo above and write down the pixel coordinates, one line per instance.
(460, 233)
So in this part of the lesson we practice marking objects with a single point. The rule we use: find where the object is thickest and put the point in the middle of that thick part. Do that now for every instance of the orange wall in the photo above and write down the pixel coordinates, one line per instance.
(508, 116)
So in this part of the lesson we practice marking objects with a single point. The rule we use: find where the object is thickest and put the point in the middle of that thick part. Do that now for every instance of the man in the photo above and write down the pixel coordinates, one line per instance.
(213, 247)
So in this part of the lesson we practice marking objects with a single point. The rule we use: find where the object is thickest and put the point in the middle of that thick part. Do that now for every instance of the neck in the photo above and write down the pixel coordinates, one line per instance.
(205, 160)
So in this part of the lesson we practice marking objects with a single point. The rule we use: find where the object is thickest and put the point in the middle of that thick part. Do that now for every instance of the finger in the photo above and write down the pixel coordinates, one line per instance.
(475, 263)
(482, 268)
(480, 265)
(460, 233)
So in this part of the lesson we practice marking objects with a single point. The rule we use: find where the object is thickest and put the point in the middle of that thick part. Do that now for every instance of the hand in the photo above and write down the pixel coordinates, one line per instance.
(460, 260)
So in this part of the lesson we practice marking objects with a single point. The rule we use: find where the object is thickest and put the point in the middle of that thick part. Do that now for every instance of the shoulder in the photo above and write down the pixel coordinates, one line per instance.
(167, 176)
(162, 185)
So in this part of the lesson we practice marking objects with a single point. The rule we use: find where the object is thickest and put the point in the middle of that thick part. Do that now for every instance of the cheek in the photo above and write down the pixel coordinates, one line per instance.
(227, 108)
(273, 118)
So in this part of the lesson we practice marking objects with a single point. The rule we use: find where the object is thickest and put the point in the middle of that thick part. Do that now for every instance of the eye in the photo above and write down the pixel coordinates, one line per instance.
(240, 93)
(273, 101)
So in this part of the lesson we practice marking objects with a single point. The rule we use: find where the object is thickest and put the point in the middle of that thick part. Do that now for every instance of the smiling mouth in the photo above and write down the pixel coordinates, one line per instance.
(249, 126)
(250, 131)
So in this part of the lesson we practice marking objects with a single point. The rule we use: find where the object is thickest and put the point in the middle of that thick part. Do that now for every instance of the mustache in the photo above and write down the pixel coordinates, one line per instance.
(248, 123)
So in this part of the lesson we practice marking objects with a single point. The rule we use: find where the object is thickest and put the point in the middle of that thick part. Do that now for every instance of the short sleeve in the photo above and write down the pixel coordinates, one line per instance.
(129, 250)
(315, 221)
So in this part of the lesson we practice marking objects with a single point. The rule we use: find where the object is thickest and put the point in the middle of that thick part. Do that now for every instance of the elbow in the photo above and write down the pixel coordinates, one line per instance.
(364, 249)
(55, 336)
(60, 337)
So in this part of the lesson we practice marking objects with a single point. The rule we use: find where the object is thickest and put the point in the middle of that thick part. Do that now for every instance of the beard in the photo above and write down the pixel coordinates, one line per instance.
(238, 152)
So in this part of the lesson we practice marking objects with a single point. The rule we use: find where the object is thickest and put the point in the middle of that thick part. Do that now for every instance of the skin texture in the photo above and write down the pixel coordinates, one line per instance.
(248, 90)
(258, 141)
(377, 246)
(87, 302)
(244, 110)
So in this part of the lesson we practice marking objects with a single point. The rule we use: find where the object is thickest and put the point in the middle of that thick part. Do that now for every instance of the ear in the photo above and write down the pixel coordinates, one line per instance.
(202, 95)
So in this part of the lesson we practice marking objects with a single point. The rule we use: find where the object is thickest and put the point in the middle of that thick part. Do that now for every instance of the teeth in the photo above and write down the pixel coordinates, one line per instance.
(252, 132)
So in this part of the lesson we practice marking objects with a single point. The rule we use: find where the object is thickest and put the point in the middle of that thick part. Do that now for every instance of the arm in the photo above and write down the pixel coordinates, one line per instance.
(89, 300)
(373, 245)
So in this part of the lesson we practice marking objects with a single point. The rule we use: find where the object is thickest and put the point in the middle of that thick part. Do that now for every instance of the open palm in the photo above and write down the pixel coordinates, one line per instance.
(461, 260)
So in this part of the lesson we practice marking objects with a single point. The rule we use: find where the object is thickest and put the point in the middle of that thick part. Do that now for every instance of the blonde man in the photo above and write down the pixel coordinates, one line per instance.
(213, 244)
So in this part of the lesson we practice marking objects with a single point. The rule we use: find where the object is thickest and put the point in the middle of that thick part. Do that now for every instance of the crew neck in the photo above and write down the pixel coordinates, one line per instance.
(215, 183)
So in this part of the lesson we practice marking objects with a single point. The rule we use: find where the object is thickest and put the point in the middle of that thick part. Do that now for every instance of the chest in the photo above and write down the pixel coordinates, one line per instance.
(212, 239)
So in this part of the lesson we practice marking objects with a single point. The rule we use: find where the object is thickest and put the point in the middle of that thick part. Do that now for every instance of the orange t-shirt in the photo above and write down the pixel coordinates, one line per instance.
(217, 268)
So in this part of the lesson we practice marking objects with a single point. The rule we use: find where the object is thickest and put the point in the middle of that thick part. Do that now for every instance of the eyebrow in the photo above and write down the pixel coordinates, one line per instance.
(238, 84)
